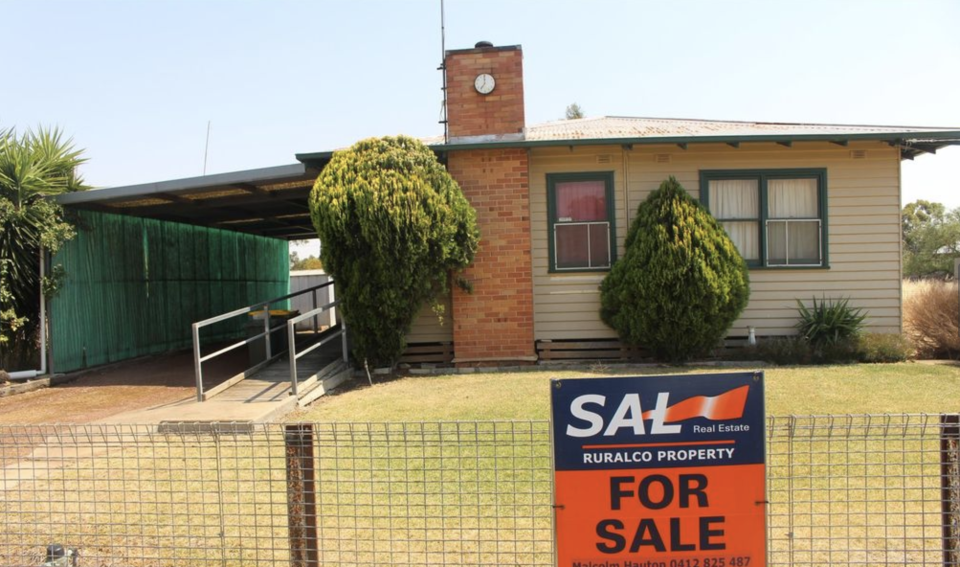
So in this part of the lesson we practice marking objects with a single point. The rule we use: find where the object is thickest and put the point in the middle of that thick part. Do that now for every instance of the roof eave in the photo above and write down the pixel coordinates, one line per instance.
(930, 140)
(944, 138)
(145, 190)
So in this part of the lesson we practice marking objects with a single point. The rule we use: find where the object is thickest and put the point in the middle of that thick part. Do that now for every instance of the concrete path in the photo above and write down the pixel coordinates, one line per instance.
(251, 400)
(237, 408)
(265, 397)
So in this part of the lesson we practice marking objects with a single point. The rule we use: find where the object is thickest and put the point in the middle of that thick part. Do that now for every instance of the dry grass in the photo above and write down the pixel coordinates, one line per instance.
(441, 489)
(930, 318)
(799, 390)
(843, 491)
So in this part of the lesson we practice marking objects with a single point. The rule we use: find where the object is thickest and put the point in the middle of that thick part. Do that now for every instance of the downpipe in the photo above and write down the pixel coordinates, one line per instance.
(29, 374)
(25, 374)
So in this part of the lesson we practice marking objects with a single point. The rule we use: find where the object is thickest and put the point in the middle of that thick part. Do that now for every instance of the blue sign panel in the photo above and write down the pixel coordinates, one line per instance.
(657, 421)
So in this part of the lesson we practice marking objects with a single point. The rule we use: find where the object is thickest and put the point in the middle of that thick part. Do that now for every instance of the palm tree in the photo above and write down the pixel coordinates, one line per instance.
(33, 167)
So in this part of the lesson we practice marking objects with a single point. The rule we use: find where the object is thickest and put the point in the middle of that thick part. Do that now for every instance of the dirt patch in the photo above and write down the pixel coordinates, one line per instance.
(137, 384)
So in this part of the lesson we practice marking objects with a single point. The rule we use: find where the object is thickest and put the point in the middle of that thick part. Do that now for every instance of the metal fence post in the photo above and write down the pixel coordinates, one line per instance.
(346, 355)
(950, 487)
(301, 495)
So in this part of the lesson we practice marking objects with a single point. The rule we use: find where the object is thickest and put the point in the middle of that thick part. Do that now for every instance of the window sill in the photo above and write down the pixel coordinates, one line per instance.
(579, 271)
(788, 268)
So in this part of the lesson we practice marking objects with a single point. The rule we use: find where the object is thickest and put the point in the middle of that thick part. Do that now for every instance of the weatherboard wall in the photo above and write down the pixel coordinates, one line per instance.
(428, 328)
(863, 217)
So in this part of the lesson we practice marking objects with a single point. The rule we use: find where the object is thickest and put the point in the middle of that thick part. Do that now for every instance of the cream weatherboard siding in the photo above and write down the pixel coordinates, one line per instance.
(863, 219)
(427, 327)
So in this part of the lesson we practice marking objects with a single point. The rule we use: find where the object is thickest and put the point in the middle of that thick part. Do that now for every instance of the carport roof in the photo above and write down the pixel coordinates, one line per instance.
(271, 201)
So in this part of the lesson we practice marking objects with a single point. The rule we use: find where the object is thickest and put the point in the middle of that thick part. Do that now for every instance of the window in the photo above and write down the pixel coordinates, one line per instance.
(777, 218)
(580, 212)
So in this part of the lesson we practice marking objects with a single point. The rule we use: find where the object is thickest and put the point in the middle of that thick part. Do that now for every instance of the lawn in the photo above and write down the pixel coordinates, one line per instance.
(449, 487)
(844, 389)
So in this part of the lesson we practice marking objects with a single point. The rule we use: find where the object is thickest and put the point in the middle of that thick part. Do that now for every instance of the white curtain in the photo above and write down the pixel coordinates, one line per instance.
(792, 198)
(736, 199)
(804, 242)
(796, 242)
(744, 236)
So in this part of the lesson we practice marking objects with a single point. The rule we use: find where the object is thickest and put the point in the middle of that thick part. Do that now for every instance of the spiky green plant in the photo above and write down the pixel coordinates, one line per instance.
(395, 227)
(33, 167)
(681, 282)
(829, 322)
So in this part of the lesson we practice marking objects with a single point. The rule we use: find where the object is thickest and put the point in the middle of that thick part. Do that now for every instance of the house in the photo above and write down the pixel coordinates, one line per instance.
(814, 208)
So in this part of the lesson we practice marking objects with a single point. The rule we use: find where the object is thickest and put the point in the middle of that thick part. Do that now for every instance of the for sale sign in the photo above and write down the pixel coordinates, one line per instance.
(660, 471)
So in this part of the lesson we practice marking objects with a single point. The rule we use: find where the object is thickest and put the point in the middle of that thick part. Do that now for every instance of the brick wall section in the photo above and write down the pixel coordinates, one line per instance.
(470, 113)
(495, 322)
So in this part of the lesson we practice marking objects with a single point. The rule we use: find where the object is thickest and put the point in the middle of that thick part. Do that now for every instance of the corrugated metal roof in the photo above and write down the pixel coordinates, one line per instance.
(912, 140)
(606, 127)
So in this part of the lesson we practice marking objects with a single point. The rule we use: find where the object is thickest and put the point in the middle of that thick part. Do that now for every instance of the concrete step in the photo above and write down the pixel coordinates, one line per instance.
(327, 379)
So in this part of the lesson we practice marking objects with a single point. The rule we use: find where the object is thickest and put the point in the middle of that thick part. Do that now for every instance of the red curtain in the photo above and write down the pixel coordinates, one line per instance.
(581, 201)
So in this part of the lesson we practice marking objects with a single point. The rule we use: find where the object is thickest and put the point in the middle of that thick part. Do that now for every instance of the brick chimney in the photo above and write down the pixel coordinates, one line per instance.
(494, 324)
(473, 114)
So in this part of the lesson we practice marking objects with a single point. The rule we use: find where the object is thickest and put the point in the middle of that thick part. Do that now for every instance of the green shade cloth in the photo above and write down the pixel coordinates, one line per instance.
(134, 286)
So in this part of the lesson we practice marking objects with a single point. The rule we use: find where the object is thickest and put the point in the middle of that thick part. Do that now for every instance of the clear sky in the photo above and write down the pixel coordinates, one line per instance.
(135, 82)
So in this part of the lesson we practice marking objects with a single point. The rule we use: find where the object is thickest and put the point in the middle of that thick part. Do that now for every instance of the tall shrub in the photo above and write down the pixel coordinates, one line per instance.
(681, 282)
(33, 167)
(395, 228)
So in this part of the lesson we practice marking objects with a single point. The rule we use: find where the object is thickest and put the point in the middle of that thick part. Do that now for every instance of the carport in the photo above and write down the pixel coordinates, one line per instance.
(150, 260)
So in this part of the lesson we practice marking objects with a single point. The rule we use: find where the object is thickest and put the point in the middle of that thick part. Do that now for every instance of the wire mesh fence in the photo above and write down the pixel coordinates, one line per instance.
(843, 490)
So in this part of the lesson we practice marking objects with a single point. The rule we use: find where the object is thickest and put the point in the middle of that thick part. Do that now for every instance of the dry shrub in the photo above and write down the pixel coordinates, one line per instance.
(930, 312)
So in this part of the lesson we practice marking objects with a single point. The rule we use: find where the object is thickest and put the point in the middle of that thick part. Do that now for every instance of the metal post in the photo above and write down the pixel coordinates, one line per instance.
(266, 329)
(346, 357)
(197, 365)
(292, 353)
(301, 495)
(950, 487)
(43, 315)
(316, 318)
(332, 297)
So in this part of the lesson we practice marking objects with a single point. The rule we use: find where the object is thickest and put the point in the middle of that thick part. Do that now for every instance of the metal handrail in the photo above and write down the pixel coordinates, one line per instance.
(291, 340)
(198, 359)
(249, 308)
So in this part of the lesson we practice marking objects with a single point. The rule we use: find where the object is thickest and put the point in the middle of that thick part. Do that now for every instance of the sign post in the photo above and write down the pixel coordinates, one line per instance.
(660, 471)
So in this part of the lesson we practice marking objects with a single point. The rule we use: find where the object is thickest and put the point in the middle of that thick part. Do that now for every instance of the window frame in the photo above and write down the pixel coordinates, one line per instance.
(607, 177)
(762, 176)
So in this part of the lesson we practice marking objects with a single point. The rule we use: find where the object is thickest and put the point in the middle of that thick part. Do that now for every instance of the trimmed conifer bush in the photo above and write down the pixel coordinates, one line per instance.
(395, 228)
(681, 282)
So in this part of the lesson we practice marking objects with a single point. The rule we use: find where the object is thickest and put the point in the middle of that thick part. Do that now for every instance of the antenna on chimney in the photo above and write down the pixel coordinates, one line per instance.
(443, 68)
